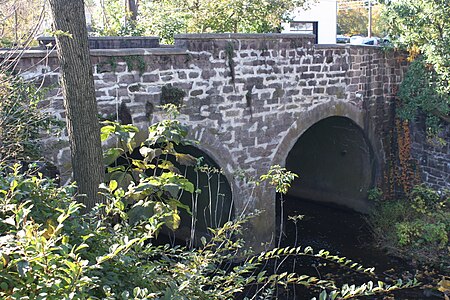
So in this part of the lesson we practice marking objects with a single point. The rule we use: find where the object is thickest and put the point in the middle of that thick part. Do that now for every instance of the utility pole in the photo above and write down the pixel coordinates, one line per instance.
(369, 26)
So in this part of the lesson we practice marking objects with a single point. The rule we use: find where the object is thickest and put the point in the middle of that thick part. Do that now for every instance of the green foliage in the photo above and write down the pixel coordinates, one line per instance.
(21, 22)
(172, 95)
(135, 63)
(105, 255)
(114, 20)
(419, 91)
(164, 18)
(37, 259)
(355, 21)
(21, 119)
(417, 228)
(374, 194)
(280, 178)
(422, 27)
(366, 289)
(49, 249)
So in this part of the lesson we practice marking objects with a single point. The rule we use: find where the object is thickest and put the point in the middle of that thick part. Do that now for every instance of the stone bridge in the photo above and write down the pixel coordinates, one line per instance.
(253, 101)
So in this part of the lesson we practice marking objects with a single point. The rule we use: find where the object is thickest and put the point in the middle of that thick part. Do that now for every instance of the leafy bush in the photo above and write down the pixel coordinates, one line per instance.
(50, 250)
(21, 120)
(37, 260)
(417, 228)
(103, 255)
(419, 92)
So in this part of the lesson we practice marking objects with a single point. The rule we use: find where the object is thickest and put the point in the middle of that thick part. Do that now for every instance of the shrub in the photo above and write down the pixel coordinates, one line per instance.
(417, 228)
(21, 119)
(37, 259)
(103, 255)
(50, 250)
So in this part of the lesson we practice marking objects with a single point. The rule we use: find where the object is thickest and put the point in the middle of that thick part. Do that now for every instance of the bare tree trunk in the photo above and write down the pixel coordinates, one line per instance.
(133, 8)
(79, 98)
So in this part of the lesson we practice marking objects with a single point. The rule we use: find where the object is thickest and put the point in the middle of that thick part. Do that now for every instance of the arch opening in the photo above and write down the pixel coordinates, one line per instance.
(210, 206)
(335, 163)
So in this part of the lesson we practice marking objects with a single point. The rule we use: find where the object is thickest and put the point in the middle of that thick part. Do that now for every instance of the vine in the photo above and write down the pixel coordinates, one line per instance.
(248, 99)
(229, 50)
(402, 172)
(172, 95)
(135, 63)
(111, 61)
(407, 176)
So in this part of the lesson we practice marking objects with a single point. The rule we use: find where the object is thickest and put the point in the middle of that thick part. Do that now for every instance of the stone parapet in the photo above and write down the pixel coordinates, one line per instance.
(109, 42)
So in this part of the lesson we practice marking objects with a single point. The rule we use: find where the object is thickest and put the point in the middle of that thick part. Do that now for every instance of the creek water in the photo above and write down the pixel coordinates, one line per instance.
(345, 233)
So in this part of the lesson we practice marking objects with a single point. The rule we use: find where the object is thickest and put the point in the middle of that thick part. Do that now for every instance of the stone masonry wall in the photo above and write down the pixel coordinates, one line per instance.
(248, 98)
(433, 156)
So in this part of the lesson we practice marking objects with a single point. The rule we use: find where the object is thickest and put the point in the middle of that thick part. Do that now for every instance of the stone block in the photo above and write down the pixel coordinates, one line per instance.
(307, 76)
(319, 90)
(195, 93)
(307, 91)
(150, 78)
(315, 68)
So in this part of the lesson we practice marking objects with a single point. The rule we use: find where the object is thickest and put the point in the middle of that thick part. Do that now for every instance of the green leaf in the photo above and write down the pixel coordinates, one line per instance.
(81, 247)
(140, 212)
(186, 159)
(120, 205)
(136, 292)
(178, 203)
(13, 185)
(3, 286)
(148, 153)
(323, 295)
(111, 155)
(172, 188)
(9, 221)
(173, 220)
(113, 185)
(106, 131)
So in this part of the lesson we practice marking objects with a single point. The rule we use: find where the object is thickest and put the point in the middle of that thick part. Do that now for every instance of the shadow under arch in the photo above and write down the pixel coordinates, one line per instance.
(328, 148)
(212, 205)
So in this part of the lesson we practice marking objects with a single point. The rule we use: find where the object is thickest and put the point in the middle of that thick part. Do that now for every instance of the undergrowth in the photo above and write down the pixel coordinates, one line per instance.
(50, 249)
(417, 227)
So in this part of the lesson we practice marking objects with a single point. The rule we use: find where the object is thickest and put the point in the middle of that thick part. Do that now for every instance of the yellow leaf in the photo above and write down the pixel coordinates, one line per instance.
(444, 285)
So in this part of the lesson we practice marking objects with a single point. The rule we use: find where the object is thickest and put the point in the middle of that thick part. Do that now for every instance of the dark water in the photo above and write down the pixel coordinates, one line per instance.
(343, 232)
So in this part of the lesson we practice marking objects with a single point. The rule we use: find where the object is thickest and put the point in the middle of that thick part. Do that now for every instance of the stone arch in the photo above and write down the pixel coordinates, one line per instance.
(214, 204)
(333, 112)
(209, 143)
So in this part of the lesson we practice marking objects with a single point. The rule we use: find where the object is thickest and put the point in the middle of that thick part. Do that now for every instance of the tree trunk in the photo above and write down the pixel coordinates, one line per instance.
(133, 8)
(79, 98)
